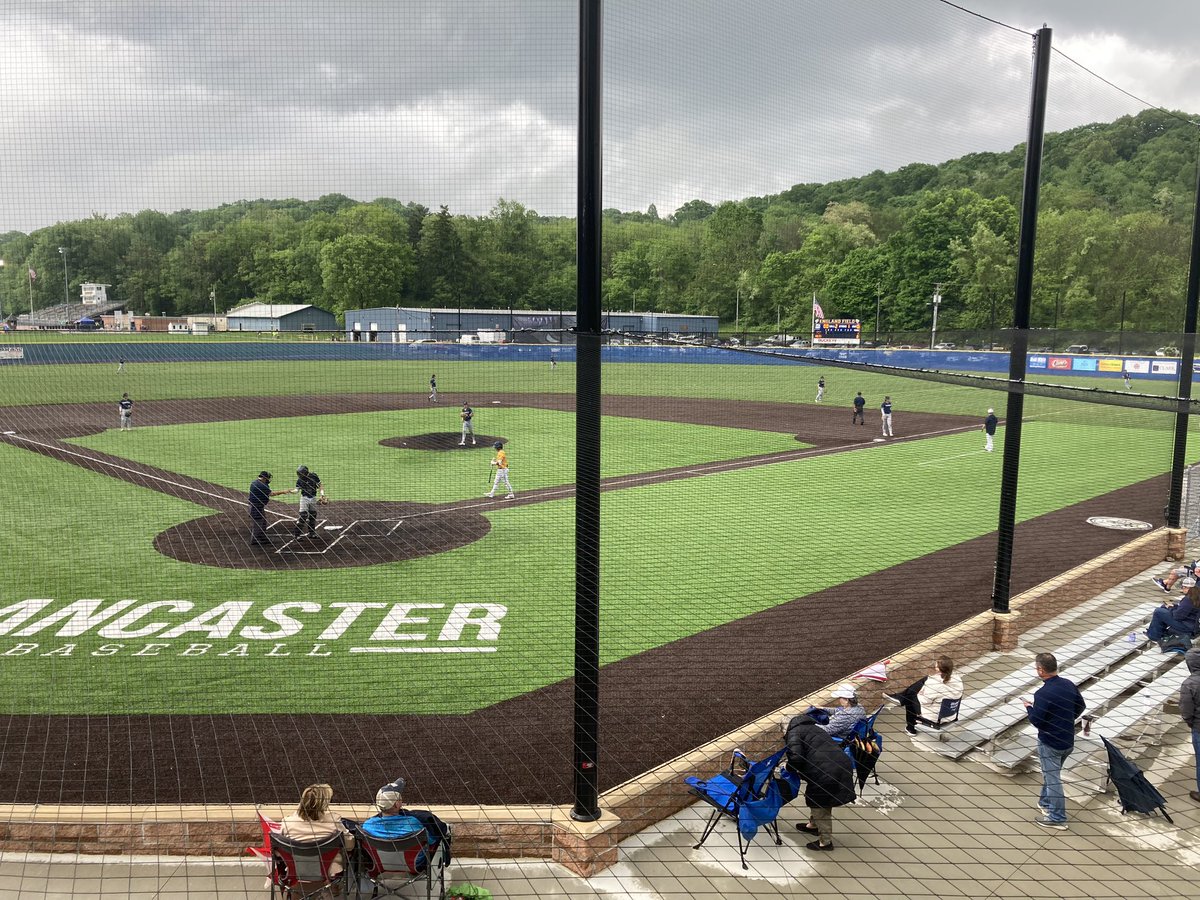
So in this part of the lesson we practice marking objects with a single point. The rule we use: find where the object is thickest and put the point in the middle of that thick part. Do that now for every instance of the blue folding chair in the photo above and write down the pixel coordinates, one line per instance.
(749, 793)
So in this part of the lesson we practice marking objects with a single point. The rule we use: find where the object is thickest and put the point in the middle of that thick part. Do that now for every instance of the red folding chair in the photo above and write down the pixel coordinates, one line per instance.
(391, 864)
(303, 869)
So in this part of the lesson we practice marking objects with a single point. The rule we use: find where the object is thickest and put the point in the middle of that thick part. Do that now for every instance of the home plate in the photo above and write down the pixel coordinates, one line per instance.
(877, 440)
(495, 403)
(334, 527)
(10, 432)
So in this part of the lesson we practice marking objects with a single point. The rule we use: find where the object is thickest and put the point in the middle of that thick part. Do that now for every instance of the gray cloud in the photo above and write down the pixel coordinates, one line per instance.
(117, 106)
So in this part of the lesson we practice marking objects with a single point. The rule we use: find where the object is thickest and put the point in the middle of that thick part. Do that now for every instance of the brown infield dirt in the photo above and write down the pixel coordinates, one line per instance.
(654, 706)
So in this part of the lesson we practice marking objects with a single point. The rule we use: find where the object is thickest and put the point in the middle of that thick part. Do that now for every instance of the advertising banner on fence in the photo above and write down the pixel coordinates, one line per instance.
(1060, 362)
(12, 352)
(1138, 366)
(1164, 367)
(842, 332)
(1110, 365)
(1085, 364)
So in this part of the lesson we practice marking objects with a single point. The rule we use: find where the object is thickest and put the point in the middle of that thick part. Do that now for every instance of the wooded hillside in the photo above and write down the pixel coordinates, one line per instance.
(1115, 222)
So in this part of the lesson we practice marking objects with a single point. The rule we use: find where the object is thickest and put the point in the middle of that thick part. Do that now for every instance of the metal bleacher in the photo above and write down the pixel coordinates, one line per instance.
(987, 713)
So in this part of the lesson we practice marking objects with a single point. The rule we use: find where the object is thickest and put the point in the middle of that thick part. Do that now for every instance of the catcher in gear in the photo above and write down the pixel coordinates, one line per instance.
(312, 492)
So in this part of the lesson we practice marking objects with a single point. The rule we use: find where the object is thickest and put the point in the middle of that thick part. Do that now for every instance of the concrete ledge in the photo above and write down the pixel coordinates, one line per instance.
(194, 830)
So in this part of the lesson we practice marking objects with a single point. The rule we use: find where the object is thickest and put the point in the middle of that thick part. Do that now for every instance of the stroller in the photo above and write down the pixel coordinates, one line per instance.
(749, 793)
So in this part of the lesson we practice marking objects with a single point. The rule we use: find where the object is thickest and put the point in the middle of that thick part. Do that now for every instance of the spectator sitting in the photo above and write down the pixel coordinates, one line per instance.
(928, 693)
(1182, 618)
(844, 716)
(394, 821)
(1186, 572)
(312, 821)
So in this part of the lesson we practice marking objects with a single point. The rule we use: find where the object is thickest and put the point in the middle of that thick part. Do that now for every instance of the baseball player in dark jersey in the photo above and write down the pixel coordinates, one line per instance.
(433, 388)
(311, 491)
(885, 416)
(260, 496)
(467, 415)
(989, 430)
(860, 406)
(820, 389)
(125, 407)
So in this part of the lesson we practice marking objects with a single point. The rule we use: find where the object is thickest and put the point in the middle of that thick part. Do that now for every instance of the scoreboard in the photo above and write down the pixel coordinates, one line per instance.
(837, 331)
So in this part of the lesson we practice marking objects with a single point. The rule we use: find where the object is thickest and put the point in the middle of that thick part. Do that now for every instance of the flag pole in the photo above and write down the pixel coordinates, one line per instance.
(30, 274)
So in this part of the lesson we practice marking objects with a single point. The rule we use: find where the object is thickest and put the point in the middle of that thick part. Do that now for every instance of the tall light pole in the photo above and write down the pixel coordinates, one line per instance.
(937, 301)
(2, 298)
(66, 282)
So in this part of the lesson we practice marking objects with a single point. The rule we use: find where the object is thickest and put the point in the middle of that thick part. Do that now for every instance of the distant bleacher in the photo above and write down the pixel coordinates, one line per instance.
(65, 315)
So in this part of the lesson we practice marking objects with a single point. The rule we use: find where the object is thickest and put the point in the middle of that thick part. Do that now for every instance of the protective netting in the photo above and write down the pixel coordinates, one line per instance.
(281, 282)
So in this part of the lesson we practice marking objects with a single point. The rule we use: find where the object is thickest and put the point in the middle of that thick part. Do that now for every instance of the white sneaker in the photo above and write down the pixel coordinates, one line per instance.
(489, 495)
(510, 497)
(462, 443)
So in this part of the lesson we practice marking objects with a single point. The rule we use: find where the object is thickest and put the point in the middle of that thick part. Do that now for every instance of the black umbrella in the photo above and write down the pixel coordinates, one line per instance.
(1135, 792)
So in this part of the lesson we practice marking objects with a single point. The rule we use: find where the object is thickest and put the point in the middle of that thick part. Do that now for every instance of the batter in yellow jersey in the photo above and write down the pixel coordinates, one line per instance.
(501, 463)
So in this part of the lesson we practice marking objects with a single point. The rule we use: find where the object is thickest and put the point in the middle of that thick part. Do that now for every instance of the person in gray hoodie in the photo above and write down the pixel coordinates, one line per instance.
(1189, 709)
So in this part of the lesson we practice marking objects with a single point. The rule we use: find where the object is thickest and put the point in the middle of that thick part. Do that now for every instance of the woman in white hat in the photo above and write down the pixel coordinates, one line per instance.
(846, 714)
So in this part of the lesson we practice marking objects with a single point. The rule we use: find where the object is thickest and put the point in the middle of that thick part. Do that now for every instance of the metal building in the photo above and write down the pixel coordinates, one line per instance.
(280, 317)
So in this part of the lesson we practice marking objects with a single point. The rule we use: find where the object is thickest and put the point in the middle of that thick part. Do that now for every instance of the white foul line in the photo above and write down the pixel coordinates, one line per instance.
(140, 474)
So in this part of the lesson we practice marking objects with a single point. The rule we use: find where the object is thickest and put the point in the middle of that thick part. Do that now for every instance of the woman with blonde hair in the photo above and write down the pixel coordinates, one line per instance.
(923, 698)
(312, 821)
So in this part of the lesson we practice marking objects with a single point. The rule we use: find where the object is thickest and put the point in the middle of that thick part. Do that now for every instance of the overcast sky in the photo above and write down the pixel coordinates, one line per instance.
(114, 106)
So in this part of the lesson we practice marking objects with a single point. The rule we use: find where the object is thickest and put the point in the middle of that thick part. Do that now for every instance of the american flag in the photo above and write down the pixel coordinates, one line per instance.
(818, 313)
(32, 274)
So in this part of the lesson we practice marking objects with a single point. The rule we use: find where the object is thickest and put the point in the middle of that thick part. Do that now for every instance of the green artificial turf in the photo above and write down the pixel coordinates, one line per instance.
(677, 558)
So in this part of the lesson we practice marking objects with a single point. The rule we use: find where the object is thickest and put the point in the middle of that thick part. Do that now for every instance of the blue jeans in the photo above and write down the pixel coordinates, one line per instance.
(1196, 749)
(1163, 621)
(1052, 798)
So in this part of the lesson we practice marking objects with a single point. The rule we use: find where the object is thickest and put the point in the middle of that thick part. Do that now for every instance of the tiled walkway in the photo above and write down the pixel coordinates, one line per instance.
(934, 828)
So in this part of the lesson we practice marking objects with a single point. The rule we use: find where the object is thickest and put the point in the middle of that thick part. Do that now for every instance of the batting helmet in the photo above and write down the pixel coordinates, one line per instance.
(265, 476)
(303, 470)
(498, 445)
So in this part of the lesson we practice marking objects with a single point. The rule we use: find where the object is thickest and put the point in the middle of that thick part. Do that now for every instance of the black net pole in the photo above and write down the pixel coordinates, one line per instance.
(1022, 304)
(1179, 457)
(587, 422)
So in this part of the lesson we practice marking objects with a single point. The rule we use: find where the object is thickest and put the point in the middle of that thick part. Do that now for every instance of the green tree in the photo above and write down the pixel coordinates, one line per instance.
(361, 270)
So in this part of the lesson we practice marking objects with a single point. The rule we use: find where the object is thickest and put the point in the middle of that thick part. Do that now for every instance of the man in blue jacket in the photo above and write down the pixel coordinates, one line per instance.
(1055, 707)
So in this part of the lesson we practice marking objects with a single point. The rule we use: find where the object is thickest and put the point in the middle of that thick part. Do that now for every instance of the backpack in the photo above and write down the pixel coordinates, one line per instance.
(1175, 643)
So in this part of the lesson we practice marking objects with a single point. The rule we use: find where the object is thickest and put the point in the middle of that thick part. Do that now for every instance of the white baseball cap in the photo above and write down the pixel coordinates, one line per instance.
(990, 410)
(844, 691)
(388, 795)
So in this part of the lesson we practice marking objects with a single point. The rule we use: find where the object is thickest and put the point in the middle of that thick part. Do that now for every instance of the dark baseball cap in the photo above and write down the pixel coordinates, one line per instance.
(264, 475)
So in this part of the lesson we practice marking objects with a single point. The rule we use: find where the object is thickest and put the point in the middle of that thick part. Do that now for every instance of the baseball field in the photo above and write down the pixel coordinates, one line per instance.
(745, 529)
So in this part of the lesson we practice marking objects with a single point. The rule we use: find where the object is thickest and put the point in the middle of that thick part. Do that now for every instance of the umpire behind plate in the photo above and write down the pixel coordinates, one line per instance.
(308, 486)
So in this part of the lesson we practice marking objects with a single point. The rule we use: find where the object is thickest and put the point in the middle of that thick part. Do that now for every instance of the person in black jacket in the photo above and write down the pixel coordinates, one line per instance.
(828, 777)
(1189, 709)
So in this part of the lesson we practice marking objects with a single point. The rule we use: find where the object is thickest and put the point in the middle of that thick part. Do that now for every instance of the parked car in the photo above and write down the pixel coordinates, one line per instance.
(1078, 348)
(1166, 351)
(945, 345)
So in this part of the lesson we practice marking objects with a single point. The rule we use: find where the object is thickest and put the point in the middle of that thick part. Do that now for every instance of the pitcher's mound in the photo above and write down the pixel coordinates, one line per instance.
(445, 440)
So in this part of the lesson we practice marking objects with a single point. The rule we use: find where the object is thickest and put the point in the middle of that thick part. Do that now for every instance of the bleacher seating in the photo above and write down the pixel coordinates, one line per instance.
(987, 713)
(1104, 690)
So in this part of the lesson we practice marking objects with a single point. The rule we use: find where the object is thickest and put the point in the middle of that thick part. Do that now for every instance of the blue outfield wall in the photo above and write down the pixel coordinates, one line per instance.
(1039, 364)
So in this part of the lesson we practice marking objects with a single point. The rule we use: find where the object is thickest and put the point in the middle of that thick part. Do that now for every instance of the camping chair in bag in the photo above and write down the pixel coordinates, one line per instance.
(1135, 793)
(391, 864)
(864, 746)
(750, 794)
(301, 869)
